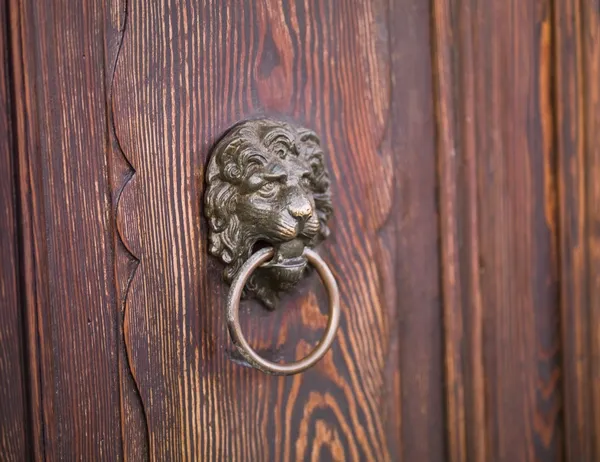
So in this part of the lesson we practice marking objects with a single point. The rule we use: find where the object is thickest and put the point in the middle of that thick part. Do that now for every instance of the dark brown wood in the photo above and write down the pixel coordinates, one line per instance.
(459, 231)
(518, 230)
(13, 381)
(577, 35)
(418, 297)
(590, 66)
(463, 142)
(573, 246)
(68, 265)
(26, 219)
(186, 73)
(499, 231)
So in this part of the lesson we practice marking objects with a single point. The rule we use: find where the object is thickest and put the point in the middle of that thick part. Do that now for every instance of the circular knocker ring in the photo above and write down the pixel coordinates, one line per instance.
(233, 308)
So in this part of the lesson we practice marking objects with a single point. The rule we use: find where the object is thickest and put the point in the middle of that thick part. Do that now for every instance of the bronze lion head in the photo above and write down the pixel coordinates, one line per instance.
(267, 185)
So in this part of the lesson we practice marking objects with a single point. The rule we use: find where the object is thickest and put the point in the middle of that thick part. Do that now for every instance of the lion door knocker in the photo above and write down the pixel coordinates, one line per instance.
(268, 189)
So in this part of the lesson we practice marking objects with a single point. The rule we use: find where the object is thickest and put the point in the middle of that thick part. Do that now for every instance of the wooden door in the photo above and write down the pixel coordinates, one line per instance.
(463, 143)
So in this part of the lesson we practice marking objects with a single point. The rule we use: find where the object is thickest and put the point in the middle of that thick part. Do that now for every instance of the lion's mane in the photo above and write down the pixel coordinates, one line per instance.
(232, 156)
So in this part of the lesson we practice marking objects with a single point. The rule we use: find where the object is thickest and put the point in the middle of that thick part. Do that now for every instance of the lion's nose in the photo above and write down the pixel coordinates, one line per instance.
(300, 209)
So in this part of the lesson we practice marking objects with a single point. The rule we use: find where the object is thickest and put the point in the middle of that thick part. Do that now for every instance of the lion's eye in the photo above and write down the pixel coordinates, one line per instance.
(268, 189)
(306, 182)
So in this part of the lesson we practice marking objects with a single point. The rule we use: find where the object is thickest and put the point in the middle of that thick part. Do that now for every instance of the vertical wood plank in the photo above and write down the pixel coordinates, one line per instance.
(518, 229)
(499, 235)
(13, 385)
(450, 264)
(452, 52)
(574, 253)
(71, 314)
(185, 73)
(417, 271)
(25, 123)
(591, 76)
(577, 35)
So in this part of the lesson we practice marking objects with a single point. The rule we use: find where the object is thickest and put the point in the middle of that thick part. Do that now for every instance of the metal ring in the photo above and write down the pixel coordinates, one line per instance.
(233, 308)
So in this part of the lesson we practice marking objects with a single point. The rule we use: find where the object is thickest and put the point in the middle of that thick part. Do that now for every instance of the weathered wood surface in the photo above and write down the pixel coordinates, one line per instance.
(517, 175)
(462, 138)
(67, 229)
(417, 295)
(499, 230)
(13, 381)
(577, 67)
(185, 73)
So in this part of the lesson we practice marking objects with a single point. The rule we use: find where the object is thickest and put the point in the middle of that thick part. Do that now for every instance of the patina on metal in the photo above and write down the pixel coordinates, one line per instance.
(267, 186)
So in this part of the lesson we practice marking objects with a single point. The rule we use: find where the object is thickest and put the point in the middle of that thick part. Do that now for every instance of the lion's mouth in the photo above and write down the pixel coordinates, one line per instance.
(288, 255)
(289, 263)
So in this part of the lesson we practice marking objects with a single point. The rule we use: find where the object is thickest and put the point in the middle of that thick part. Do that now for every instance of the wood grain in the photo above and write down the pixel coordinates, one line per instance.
(575, 304)
(577, 32)
(13, 381)
(134, 428)
(590, 66)
(70, 309)
(185, 73)
(418, 295)
(518, 229)
(30, 276)
(459, 231)
(463, 143)
(499, 229)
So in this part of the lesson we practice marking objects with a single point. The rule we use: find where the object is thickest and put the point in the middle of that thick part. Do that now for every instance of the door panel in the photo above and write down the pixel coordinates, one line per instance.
(461, 139)
(177, 87)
